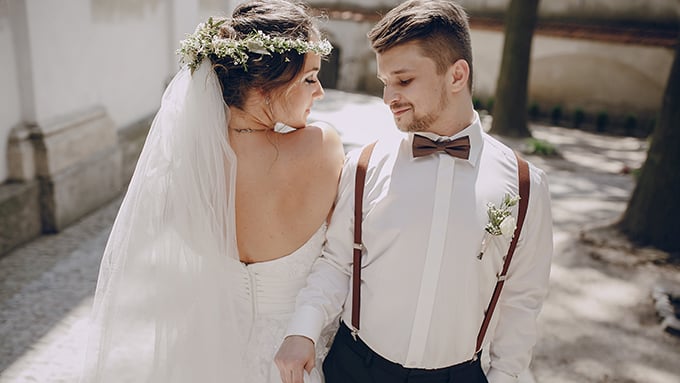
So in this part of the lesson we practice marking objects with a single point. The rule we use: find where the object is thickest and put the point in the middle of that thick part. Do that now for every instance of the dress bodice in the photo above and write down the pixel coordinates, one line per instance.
(270, 288)
(266, 301)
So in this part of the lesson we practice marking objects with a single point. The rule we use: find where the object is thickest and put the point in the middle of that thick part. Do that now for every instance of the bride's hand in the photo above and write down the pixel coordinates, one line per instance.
(295, 355)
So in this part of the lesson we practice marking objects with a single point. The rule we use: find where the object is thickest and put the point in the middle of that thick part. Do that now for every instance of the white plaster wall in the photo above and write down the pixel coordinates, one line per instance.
(487, 47)
(597, 76)
(135, 53)
(576, 73)
(131, 61)
(573, 73)
(222, 8)
(357, 60)
(10, 109)
(593, 9)
(60, 59)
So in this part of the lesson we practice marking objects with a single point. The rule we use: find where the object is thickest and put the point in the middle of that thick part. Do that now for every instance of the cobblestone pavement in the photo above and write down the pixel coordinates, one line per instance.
(46, 285)
(46, 292)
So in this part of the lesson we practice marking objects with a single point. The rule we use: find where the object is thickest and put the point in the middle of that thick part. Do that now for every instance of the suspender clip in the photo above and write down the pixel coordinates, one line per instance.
(358, 246)
(501, 278)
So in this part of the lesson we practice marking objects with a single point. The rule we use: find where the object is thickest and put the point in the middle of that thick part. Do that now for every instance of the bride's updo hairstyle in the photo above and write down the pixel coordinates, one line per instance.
(277, 18)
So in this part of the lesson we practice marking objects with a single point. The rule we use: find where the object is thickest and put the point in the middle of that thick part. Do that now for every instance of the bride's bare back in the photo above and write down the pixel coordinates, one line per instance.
(285, 189)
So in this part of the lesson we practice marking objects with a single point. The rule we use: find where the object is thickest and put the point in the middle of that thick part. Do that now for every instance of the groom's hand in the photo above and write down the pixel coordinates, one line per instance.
(295, 355)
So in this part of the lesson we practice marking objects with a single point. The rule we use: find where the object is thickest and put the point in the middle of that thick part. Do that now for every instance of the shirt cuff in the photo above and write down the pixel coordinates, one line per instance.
(497, 376)
(308, 322)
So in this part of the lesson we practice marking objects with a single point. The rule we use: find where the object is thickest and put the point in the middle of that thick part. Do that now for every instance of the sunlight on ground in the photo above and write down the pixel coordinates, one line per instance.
(649, 374)
(629, 151)
(587, 293)
(57, 357)
(636, 372)
(361, 119)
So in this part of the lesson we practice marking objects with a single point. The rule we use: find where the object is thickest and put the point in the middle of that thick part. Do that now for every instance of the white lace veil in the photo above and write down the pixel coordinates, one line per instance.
(162, 310)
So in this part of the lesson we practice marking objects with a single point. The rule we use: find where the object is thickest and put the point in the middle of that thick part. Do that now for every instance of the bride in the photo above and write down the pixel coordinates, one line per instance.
(226, 211)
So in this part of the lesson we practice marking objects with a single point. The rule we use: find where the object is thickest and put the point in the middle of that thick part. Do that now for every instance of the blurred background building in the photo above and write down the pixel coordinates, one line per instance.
(80, 81)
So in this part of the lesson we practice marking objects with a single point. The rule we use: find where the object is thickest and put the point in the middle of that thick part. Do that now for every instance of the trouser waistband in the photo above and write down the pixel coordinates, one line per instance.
(370, 357)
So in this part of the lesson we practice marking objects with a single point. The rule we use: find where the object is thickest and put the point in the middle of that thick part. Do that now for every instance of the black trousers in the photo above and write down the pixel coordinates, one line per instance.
(352, 361)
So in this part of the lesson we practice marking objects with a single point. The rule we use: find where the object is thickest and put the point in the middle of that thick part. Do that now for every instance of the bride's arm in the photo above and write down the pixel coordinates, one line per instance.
(319, 303)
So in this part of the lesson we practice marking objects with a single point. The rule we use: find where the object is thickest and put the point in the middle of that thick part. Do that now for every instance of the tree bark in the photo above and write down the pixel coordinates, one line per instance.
(510, 105)
(653, 213)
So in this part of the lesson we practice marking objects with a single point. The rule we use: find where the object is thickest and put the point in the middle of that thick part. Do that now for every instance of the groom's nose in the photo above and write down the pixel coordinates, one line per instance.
(390, 95)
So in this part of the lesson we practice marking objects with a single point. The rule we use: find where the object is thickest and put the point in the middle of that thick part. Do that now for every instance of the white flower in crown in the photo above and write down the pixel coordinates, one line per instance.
(501, 221)
(206, 42)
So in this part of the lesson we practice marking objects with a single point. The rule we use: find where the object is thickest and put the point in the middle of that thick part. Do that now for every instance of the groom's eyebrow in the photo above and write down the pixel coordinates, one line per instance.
(396, 72)
(400, 71)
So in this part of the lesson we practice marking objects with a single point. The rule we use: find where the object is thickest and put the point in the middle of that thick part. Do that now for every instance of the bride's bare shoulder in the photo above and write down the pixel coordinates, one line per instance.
(319, 142)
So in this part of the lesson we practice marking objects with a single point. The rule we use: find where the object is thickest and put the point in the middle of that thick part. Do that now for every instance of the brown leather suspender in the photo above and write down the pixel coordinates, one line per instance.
(358, 244)
(523, 176)
(523, 179)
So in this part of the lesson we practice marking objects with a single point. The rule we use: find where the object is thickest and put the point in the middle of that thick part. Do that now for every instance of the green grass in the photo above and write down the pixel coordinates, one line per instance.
(540, 147)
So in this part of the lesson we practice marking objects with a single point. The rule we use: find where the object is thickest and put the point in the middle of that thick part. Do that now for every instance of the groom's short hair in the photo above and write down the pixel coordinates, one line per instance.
(439, 27)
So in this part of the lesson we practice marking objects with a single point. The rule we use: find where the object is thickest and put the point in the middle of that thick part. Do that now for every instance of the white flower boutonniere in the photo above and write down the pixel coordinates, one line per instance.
(501, 221)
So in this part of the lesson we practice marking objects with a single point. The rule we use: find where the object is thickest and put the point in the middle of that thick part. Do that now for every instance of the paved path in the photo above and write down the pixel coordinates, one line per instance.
(46, 286)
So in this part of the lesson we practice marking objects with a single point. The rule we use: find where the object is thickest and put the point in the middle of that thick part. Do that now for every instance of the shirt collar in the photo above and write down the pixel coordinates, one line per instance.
(474, 131)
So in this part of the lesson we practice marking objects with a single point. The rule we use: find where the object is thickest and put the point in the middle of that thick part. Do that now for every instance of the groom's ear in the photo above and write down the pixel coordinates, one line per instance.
(457, 75)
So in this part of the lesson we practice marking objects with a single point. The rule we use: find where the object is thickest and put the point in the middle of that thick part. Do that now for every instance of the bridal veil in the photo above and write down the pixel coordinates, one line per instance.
(163, 305)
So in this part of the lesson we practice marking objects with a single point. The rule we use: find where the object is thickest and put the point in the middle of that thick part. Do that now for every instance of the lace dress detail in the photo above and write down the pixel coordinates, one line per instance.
(267, 301)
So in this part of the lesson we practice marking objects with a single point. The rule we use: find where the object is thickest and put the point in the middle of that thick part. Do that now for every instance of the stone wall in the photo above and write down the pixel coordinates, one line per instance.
(79, 87)
(80, 81)
(653, 12)
(594, 57)
(10, 111)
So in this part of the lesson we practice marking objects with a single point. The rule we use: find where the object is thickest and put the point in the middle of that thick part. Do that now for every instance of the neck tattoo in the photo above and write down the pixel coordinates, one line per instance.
(250, 130)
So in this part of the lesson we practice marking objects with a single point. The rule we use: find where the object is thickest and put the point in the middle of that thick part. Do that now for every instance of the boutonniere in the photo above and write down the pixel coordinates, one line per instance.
(501, 221)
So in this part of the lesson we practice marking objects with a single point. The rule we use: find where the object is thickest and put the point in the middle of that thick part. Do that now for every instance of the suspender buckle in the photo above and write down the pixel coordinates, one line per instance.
(354, 333)
(501, 278)
(358, 246)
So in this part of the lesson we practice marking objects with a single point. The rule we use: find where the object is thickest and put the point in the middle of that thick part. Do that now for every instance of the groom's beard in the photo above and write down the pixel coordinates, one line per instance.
(421, 123)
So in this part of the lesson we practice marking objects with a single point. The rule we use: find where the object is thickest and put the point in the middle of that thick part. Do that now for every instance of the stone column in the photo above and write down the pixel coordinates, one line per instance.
(76, 158)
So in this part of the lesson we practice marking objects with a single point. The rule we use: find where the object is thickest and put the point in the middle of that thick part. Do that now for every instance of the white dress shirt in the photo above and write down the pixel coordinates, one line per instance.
(423, 289)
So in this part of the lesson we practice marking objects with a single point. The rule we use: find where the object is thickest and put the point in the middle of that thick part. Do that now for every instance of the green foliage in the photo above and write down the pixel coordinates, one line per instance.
(489, 105)
(477, 103)
(556, 114)
(205, 42)
(497, 216)
(636, 173)
(540, 147)
(534, 111)
(578, 117)
(601, 121)
(630, 124)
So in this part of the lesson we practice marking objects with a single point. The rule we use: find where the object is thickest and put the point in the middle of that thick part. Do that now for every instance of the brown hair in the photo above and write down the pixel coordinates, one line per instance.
(439, 27)
(277, 18)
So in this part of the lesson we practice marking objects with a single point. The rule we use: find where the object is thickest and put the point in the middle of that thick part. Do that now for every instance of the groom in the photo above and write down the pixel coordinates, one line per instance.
(435, 238)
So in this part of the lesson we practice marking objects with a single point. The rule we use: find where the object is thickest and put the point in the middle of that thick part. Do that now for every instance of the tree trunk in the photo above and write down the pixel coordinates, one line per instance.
(510, 105)
(653, 213)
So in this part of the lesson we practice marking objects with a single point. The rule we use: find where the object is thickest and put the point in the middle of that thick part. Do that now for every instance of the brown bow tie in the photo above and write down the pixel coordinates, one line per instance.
(423, 146)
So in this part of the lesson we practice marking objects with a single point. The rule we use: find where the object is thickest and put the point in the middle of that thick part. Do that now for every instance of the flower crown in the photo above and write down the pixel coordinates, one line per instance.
(205, 41)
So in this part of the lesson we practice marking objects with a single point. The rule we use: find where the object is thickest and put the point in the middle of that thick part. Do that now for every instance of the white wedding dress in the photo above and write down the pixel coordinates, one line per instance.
(266, 301)
(174, 304)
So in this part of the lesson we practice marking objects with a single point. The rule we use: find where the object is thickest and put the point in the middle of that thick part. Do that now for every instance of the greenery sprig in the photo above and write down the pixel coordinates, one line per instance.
(205, 41)
(501, 222)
